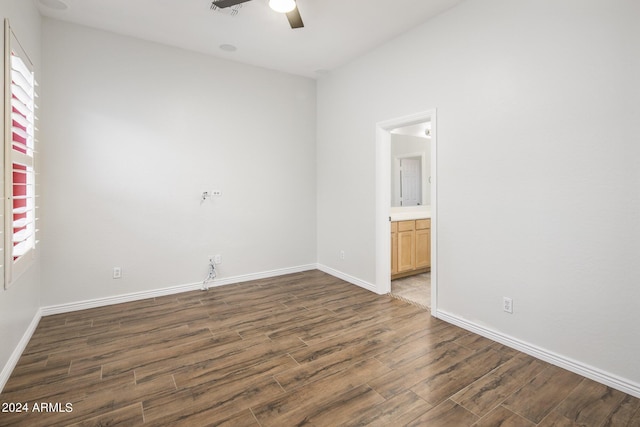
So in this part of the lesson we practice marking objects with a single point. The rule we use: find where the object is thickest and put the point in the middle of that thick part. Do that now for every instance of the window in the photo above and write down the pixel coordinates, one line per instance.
(19, 152)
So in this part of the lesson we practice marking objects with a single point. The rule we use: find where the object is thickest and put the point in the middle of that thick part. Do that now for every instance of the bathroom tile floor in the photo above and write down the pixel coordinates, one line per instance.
(414, 289)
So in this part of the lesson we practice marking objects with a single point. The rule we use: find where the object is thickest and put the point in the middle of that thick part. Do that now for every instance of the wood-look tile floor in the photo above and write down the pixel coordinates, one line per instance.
(302, 349)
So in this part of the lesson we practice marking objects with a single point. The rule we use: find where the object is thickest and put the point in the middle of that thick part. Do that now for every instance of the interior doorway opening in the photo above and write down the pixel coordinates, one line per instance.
(407, 177)
(422, 216)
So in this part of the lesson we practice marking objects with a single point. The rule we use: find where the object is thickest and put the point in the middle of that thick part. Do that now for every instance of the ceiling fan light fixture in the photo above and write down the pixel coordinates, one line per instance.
(282, 6)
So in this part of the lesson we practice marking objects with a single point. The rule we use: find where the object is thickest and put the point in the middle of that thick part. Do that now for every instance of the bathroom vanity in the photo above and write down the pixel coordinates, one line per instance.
(410, 242)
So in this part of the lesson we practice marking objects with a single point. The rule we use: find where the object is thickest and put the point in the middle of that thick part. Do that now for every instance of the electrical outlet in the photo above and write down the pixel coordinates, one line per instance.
(217, 259)
(117, 272)
(341, 254)
(507, 304)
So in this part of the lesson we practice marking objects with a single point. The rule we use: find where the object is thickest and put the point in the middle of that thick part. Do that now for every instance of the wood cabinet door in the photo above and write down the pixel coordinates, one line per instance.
(406, 251)
(423, 248)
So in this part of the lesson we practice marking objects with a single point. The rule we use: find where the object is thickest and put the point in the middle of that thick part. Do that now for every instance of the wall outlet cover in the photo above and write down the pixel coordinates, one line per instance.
(507, 304)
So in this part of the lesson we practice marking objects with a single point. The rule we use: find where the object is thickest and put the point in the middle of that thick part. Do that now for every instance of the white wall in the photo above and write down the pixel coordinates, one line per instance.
(19, 304)
(135, 132)
(538, 107)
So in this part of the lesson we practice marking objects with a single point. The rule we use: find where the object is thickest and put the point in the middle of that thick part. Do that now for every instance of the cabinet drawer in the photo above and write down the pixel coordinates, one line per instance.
(394, 227)
(422, 224)
(406, 225)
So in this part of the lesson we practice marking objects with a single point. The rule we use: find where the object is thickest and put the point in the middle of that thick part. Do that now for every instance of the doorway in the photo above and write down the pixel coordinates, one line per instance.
(408, 176)
(383, 199)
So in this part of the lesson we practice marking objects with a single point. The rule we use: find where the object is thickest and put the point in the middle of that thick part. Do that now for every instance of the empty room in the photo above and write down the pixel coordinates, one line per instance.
(279, 213)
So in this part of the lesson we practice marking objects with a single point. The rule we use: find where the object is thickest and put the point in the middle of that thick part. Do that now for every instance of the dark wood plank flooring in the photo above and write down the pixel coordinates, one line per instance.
(301, 349)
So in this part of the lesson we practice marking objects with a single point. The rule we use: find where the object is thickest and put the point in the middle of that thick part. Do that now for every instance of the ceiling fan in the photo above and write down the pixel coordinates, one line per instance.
(283, 6)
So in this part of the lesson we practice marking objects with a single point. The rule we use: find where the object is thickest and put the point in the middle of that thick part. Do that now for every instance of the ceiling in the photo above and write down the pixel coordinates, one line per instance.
(335, 31)
(420, 130)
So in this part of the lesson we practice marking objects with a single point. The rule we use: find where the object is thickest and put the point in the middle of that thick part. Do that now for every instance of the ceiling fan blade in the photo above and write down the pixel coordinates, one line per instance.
(295, 20)
(228, 3)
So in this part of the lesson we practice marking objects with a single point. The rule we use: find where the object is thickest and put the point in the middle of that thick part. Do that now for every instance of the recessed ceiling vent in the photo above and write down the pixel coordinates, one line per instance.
(231, 11)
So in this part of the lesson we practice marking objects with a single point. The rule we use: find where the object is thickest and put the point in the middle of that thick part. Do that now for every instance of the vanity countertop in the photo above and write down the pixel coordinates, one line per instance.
(409, 213)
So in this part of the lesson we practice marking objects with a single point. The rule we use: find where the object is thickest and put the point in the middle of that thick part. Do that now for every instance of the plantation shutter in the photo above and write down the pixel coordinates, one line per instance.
(20, 191)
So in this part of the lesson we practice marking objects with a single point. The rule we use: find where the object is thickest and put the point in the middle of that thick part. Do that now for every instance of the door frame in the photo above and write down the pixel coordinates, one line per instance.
(383, 200)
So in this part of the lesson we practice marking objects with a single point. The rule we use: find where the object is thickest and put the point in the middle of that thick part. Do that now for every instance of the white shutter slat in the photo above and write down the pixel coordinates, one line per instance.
(22, 96)
(23, 222)
(20, 81)
(23, 109)
(23, 235)
(21, 249)
(18, 65)
(21, 119)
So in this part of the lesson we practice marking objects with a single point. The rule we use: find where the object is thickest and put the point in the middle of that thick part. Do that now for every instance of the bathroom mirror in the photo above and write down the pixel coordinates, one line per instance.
(411, 165)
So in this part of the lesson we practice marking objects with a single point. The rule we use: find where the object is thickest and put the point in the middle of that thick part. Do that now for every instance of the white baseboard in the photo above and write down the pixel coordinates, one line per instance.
(117, 299)
(575, 366)
(135, 296)
(17, 352)
(261, 275)
(347, 278)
